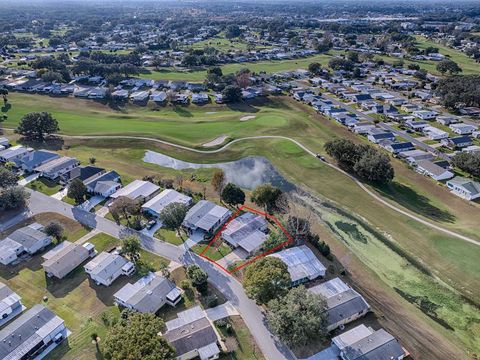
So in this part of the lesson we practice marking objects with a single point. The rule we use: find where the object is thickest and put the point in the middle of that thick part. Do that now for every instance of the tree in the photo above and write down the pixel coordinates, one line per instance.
(92, 160)
(266, 196)
(77, 191)
(172, 216)
(343, 150)
(55, 230)
(341, 64)
(468, 162)
(266, 279)
(243, 78)
(299, 317)
(315, 68)
(374, 166)
(198, 277)
(36, 125)
(7, 178)
(232, 93)
(124, 207)
(131, 247)
(448, 66)
(353, 56)
(218, 181)
(135, 337)
(459, 91)
(233, 195)
(13, 198)
(232, 31)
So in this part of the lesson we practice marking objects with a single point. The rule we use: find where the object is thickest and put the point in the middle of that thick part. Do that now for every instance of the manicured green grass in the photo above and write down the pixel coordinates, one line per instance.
(44, 186)
(69, 200)
(72, 229)
(168, 236)
(213, 252)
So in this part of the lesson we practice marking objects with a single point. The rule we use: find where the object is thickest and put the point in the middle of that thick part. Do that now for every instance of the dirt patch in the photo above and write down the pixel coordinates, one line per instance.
(215, 142)
(248, 117)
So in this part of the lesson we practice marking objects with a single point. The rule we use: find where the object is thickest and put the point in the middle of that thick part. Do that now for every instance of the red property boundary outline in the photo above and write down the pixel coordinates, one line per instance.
(237, 213)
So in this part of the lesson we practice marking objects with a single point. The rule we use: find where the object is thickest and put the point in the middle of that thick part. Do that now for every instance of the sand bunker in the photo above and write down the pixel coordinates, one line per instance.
(248, 117)
(218, 141)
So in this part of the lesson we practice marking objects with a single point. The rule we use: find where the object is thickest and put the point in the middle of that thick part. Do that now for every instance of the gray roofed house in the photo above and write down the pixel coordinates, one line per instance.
(106, 267)
(65, 257)
(28, 239)
(169, 196)
(138, 189)
(464, 188)
(205, 216)
(32, 335)
(302, 263)
(10, 304)
(192, 335)
(148, 294)
(379, 345)
(35, 158)
(351, 336)
(14, 153)
(344, 304)
(105, 184)
(427, 167)
(56, 168)
(247, 231)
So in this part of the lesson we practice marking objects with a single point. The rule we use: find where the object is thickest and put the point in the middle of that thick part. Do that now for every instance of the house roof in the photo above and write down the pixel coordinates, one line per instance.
(351, 336)
(205, 215)
(57, 164)
(105, 265)
(468, 185)
(36, 158)
(27, 236)
(64, 258)
(148, 294)
(377, 346)
(166, 197)
(302, 263)
(7, 297)
(13, 151)
(88, 172)
(431, 168)
(136, 189)
(103, 182)
(245, 231)
(18, 338)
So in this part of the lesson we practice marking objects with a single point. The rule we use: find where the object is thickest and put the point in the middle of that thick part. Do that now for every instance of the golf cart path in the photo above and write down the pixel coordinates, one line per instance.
(307, 150)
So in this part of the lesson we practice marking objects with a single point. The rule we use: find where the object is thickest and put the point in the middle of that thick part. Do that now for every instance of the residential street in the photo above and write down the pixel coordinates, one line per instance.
(227, 284)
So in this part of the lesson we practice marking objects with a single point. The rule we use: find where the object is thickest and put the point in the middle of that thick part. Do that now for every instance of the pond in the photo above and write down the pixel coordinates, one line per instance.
(248, 172)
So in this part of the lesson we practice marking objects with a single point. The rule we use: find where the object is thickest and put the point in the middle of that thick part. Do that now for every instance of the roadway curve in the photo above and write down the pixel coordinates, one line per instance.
(307, 150)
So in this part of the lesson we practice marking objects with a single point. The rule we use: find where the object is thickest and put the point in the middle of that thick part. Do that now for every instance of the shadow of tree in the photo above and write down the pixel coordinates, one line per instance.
(6, 107)
(53, 143)
(242, 107)
(410, 199)
(183, 112)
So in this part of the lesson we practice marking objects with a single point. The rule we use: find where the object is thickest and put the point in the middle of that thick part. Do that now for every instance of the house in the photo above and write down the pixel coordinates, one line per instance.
(192, 335)
(4, 143)
(378, 345)
(205, 217)
(139, 96)
(82, 173)
(351, 336)
(54, 169)
(363, 127)
(104, 185)
(10, 304)
(34, 159)
(416, 125)
(247, 232)
(156, 205)
(13, 153)
(436, 172)
(425, 114)
(32, 335)
(65, 258)
(412, 156)
(106, 267)
(200, 98)
(376, 135)
(137, 190)
(457, 142)
(302, 263)
(149, 294)
(434, 133)
(344, 304)
(409, 108)
(27, 240)
(158, 96)
(120, 95)
(472, 149)
(464, 188)
(360, 98)
(447, 119)
(470, 111)
(396, 148)
(181, 98)
(463, 129)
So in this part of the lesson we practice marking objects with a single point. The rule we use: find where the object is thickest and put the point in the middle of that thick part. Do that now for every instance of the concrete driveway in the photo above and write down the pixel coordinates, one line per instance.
(61, 194)
(28, 179)
(221, 311)
(92, 202)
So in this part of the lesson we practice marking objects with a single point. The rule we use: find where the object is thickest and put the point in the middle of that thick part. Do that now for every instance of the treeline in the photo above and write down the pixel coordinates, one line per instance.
(364, 161)
(458, 91)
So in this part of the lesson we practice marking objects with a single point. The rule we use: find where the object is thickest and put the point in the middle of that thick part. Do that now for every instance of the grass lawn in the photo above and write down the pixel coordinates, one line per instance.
(45, 186)
(213, 253)
(69, 200)
(168, 236)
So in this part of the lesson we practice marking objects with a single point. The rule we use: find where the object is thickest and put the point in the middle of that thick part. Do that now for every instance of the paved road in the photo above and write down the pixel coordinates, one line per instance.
(312, 153)
(400, 133)
(227, 284)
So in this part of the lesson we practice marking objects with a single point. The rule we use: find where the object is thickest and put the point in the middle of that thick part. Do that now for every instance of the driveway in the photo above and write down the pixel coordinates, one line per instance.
(92, 202)
(28, 179)
(231, 258)
(221, 311)
(61, 194)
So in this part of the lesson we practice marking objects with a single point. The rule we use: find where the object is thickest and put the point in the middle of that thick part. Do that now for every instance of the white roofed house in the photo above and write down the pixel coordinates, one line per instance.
(137, 190)
(106, 267)
(302, 263)
(375, 346)
(169, 196)
(27, 240)
(65, 258)
(14, 153)
(425, 114)
(344, 304)
(247, 232)
(10, 304)
(464, 188)
(56, 168)
(149, 294)
(104, 185)
(205, 217)
(426, 167)
(32, 335)
(463, 129)
(434, 133)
